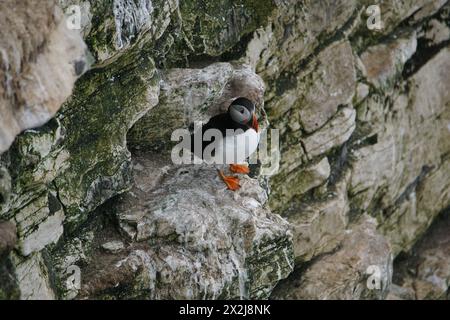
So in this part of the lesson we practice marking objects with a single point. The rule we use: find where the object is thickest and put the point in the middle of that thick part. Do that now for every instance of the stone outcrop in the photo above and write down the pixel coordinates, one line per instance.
(40, 60)
(94, 207)
(424, 273)
(192, 95)
(172, 246)
(361, 268)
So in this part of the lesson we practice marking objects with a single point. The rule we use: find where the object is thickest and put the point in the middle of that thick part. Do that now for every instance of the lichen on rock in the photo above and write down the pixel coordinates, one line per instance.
(361, 173)
(180, 248)
(40, 60)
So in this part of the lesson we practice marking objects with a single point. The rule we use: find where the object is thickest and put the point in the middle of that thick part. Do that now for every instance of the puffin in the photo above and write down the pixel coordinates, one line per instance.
(239, 137)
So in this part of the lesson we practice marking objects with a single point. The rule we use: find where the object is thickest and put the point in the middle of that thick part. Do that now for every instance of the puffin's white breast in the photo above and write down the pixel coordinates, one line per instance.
(235, 149)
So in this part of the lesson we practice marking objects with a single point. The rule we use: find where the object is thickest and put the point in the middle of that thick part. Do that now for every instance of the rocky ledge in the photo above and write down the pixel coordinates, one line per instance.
(168, 239)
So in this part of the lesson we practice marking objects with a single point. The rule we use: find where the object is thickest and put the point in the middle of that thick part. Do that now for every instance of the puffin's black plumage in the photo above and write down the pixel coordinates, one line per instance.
(224, 121)
(235, 148)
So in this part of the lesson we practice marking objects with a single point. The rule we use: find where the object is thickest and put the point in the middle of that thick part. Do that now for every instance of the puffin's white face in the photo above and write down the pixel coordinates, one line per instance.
(240, 114)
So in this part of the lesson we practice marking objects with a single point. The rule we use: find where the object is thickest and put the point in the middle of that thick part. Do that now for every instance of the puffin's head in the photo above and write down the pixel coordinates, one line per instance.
(242, 111)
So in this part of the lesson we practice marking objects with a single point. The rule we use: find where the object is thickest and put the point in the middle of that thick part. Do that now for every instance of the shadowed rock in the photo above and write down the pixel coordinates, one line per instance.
(346, 273)
(8, 237)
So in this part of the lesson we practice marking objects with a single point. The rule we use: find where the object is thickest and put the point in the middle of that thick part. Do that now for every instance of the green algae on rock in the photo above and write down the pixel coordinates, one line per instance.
(364, 152)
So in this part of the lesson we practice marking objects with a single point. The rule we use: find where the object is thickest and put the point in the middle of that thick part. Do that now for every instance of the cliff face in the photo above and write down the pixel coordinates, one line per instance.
(364, 125)
(41, 60)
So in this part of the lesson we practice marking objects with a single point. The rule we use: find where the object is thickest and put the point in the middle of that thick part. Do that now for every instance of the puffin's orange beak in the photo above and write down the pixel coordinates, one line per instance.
(255, 123)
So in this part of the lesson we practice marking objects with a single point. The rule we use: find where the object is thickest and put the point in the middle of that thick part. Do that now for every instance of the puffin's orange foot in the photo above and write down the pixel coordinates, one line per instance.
(231, 182)
(239, 168)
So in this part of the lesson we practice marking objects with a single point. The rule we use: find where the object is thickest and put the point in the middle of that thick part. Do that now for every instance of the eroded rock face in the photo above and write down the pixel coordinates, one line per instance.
(8, 237)
(113, 27)
(363, 119)
(383, 62)
(319, 227)
(48, 161)
(411, 134)
(33, 278)
(346, 273)
(193, 95)
(425, 272)
(40, 60)
(180, 248)
(275, 48)
(5, 185)
(9, 288)
(308, 120)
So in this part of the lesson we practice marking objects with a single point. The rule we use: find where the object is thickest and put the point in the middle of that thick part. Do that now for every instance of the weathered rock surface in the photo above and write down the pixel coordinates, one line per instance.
(304, 180)
(319, 226)
(33, 278)
(39, 224)
(65, 164)
(8, 237)
(425, 272)
(113, 246)
(346, 273)
(408, 156)
(40, 60)
(385, 61)
(309, 122)
(112, 28)
(190, 95)
(275, 49)
(337, 131)
(361, 173)
(179, 247)
(9, 288)
(5, 185)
